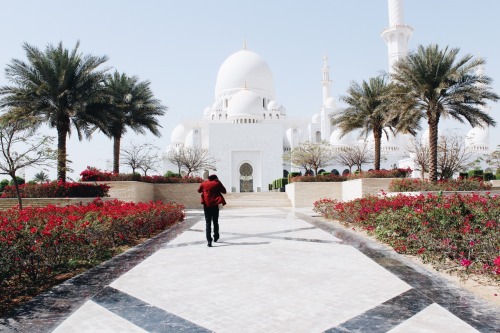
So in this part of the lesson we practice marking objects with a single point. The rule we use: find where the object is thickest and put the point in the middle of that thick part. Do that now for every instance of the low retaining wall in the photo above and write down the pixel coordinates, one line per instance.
(363, 187)
(132, 191)
(6, 203)
(304, 194)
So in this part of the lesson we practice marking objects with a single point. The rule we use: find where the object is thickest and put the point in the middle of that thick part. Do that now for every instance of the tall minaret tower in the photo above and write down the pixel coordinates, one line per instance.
(326, 82)
(326, 107)
(397, 34)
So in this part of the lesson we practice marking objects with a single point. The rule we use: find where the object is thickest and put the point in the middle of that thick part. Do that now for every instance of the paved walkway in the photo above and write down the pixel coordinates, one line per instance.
(273, 270)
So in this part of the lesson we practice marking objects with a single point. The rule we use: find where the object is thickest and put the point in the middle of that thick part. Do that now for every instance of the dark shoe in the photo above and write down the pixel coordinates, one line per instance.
(216, 238)
(209, 244)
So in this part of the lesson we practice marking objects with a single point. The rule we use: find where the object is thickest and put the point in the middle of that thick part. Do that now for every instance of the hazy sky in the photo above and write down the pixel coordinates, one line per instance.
(180, 45)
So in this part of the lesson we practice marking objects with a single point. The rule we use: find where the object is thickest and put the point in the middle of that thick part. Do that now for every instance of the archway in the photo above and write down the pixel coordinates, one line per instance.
(246, 178)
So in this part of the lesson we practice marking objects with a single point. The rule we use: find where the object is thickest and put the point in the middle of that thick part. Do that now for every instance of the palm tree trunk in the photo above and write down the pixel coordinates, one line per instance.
(18, 191)
(116, 153)
(62, 133)
(377, 135)
(433, 149)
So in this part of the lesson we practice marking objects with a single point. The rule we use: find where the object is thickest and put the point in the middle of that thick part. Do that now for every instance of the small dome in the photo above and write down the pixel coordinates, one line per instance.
(330, 102)
(346, 140)
(316, 118)
(273, 106)
(217, 106)
(207, 111)
(178, 133)
(282, 110)
(245, 103)
(477, 136)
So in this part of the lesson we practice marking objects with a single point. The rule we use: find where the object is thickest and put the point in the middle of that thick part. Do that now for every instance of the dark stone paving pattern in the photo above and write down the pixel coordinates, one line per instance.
(478, 313)
(146, 316)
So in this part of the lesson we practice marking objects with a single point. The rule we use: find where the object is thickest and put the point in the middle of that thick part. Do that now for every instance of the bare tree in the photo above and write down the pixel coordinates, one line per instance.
(145, 157)
(345, 156)
(20, 132)
(193, 159)
(419, 153)
(311, 155)
(493, 158)
(453, 155)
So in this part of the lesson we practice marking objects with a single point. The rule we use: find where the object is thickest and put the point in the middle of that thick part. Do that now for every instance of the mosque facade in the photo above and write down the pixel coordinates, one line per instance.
(247, 130)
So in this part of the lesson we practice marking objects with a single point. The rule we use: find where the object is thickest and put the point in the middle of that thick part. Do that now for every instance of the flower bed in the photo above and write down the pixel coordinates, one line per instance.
(93, 174)
(39, 244)
(394, 173)
(415, 185)
(318, 178)
(57, 190)
(459, 233)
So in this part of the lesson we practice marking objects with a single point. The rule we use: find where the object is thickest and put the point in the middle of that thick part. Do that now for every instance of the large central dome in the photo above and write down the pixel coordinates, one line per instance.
(244, 69)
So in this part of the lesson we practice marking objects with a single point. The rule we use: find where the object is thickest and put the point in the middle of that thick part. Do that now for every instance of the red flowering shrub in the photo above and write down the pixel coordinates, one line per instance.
(318, 178)
(93, 174)
(39, 243)
(57, 190)
(448, 231)
(461, 184)
(394, 173)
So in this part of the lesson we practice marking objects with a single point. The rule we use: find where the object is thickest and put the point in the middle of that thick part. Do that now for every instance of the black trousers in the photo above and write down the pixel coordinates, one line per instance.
(212, 214)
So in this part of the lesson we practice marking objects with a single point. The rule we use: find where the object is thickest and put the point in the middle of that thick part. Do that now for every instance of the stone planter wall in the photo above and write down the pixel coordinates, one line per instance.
(186, 194)
(360, 188)
(130, 191)
(304, 194)
(6, 203)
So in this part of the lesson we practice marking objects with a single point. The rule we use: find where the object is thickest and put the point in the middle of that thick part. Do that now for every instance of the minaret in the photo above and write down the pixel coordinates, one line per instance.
(325, 109)
(326, 82)
(397, 34)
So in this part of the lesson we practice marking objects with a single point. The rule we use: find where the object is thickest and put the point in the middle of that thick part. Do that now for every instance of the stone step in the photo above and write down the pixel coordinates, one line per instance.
(257, 199)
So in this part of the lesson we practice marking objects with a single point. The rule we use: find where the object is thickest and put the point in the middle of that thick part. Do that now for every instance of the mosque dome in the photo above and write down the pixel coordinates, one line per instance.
(245, 69)
(217, 106)
(330, 102)
(316, 118)
(477, 136)
(207, 111)
(189, 142)
(346, 140)
(178, 134)
(245, 103)
(273, 106)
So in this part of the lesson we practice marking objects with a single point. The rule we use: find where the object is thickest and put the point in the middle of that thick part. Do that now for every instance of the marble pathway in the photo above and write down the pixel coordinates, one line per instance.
(273, 270)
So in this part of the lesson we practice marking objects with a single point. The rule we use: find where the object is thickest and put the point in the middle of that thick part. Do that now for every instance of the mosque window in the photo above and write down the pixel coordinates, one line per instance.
(263, 102)
(264, 115)
(226, 102)
(277, 116)
(226, 116)
(245, 121)
(220, 116)
(270, 116)
(213, 117)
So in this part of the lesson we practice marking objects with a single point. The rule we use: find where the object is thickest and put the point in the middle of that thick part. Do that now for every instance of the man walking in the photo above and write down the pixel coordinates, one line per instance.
(211, 196)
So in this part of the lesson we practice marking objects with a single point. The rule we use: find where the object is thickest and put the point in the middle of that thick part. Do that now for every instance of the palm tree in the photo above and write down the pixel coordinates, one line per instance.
(432, 83)
(61, 87)
(133, 105)
(41, 177)
(367, 110)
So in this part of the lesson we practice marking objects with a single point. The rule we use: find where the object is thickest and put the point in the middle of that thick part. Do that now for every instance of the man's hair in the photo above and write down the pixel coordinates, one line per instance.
(212, 177)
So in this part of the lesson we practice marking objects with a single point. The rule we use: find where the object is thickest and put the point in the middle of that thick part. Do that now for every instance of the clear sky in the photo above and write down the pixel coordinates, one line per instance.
(180, 45)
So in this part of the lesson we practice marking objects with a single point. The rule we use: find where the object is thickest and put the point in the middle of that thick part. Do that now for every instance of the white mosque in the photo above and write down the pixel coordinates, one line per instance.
(247, 131)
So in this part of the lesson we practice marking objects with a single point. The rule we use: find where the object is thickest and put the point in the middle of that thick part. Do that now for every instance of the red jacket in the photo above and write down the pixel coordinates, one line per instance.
(211, 193)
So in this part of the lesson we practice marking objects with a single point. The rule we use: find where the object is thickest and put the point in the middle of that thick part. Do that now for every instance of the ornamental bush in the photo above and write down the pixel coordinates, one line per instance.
(94, 174)
(37, 244)
(460, 184)
(393, 173)
(319, 178)
(57, 189)
(459, 233)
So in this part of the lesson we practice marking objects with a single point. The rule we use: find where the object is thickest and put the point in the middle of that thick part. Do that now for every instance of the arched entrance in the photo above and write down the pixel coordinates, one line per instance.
(246, 178)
